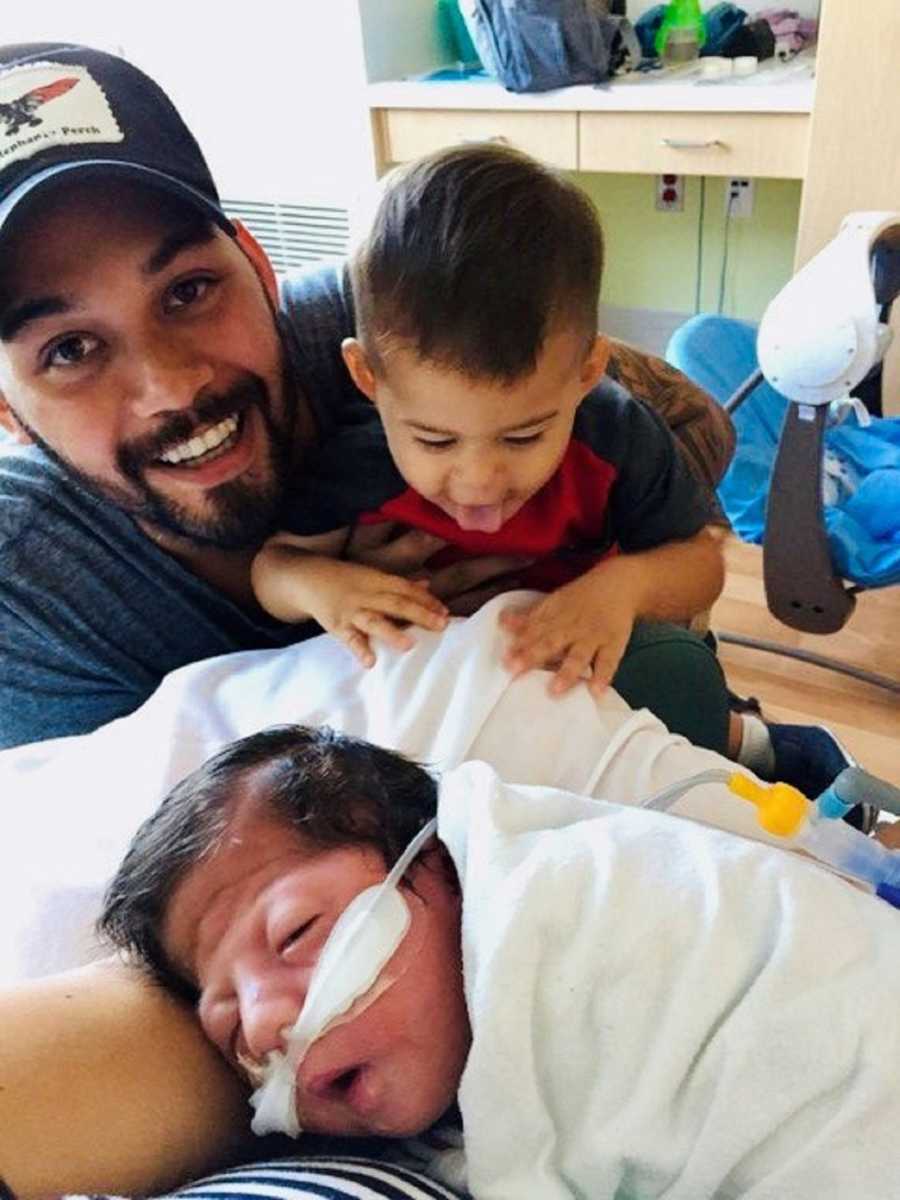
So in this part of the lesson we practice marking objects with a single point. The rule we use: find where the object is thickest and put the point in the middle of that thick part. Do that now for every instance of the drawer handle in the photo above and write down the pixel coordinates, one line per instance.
(497, 139)
(690, 144)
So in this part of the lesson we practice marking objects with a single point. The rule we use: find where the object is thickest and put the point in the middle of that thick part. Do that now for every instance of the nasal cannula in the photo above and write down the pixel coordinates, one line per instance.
(363, 939)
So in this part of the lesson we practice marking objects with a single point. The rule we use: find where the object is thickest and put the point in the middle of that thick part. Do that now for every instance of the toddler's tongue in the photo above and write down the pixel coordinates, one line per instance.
(486, 518)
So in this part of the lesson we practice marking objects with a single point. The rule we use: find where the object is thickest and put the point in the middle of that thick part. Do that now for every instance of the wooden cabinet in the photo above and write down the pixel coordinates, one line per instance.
(758, 130)
(854, 149)
(404, 133)
(722, 143)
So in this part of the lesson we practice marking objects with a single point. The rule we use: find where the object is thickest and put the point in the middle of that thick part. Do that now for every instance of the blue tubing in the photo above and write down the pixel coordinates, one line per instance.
(831, 807)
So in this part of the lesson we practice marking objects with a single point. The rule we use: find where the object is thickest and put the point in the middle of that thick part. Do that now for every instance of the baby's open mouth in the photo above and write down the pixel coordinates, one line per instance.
(334, 1085)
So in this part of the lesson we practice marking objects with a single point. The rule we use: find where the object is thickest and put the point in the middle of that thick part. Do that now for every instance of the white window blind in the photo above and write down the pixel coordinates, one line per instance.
(293, 234)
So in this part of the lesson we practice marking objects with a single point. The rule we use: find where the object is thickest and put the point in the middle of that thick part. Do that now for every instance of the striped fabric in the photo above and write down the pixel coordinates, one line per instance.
(322, 1178)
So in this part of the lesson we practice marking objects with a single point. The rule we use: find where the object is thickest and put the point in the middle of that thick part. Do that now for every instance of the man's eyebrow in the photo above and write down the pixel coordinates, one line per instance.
(170, 247)
(517, 428)
(16, 318)
(20, 315)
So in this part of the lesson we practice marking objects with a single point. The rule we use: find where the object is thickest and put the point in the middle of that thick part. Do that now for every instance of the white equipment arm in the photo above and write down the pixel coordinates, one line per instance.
(821, 336)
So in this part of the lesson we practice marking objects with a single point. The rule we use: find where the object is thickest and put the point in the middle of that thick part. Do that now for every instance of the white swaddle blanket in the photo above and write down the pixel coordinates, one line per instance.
(70, 806)
(663, 1010)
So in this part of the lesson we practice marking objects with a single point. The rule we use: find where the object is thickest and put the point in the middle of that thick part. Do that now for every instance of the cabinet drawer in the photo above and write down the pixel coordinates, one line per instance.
(551, 137)
(769, 145)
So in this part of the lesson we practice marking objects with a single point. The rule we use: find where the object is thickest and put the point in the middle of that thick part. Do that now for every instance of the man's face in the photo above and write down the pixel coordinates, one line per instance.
(137, 346)
(479, 449)
(247, 926)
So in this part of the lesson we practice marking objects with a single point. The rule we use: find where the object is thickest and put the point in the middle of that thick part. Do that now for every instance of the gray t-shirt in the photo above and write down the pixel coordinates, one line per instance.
(93, 614)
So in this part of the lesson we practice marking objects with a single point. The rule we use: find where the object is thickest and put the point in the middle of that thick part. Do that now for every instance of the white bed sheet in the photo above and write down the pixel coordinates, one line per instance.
(70, 806)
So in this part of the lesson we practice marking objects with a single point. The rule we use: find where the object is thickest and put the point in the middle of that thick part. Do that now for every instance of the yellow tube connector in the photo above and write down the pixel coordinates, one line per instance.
(780, 808)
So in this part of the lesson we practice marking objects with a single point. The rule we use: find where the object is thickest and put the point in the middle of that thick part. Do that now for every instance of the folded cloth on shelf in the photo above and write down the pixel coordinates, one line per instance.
(659, 1008)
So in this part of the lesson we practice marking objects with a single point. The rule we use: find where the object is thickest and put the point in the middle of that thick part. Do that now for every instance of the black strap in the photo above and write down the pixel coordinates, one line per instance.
(802, 589)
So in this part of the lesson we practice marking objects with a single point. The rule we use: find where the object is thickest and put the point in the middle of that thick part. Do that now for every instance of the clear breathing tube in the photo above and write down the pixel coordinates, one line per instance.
(663, 800)
(814, 827)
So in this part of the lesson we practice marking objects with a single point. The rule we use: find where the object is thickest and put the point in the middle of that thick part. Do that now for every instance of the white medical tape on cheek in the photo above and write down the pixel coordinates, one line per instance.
(363, 939)
(390, 973)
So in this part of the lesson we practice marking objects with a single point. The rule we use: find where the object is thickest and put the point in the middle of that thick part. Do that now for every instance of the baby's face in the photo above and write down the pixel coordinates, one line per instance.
(248, 925)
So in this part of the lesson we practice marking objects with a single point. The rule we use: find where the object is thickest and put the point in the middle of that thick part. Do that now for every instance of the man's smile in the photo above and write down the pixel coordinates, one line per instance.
(214, 453)
(205, 444)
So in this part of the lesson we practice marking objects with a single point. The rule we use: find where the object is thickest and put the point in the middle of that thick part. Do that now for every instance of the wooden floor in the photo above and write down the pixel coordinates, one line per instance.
(864, 717)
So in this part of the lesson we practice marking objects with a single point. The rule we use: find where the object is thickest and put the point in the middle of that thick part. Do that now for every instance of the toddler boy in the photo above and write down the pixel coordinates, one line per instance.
(492, 426)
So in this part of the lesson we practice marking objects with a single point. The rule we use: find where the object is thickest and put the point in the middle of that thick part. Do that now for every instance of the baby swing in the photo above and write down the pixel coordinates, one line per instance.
(816, 473)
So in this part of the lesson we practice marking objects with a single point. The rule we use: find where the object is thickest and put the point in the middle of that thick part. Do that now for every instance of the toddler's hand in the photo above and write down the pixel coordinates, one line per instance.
(357, 603)
(581, 630)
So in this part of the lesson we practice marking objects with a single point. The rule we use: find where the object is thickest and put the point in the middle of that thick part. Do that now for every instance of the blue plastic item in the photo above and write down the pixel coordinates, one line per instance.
(863, 523)
(721, 22)
(457, 34)
(646, 28)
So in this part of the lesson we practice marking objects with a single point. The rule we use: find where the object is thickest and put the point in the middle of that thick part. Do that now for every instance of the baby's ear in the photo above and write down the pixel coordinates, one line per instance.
(436, 857)
(595, 362)
(358, 365)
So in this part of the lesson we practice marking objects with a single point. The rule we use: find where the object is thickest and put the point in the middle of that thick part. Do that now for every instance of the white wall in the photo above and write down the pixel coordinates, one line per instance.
(274, 96)
(401, 37)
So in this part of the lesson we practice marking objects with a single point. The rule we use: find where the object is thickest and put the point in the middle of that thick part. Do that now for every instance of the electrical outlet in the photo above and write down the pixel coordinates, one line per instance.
(739, 198)
(669, 193)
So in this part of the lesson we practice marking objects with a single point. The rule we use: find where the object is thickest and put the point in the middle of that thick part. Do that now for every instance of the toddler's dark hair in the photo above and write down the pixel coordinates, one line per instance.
(475, 255)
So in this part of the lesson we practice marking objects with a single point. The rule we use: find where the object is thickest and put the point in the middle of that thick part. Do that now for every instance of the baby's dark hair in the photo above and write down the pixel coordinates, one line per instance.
(331, 789)
(475, 255)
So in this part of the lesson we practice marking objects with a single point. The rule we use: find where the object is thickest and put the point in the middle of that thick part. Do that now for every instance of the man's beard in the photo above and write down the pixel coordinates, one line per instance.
(241, 513)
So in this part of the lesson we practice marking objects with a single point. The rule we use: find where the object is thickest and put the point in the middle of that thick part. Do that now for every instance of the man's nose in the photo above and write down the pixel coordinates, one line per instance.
(266, 1011)
(167, 379)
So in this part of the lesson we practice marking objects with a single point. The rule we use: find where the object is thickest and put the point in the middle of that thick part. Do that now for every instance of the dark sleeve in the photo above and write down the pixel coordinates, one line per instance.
(93, 614)
(655, 498)
(316, 315)
(55, 679)
(353, 473)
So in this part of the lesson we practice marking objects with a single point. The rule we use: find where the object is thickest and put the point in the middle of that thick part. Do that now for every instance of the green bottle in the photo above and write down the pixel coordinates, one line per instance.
(682, 33)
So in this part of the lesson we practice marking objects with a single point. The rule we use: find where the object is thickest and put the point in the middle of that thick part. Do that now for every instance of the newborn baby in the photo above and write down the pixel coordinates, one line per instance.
(621, 1002)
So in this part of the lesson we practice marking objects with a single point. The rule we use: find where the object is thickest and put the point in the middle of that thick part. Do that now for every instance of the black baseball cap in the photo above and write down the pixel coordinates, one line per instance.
(68, 110)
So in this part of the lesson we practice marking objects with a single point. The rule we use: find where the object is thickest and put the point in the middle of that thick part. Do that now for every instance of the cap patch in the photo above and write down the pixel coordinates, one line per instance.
(51, 104)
